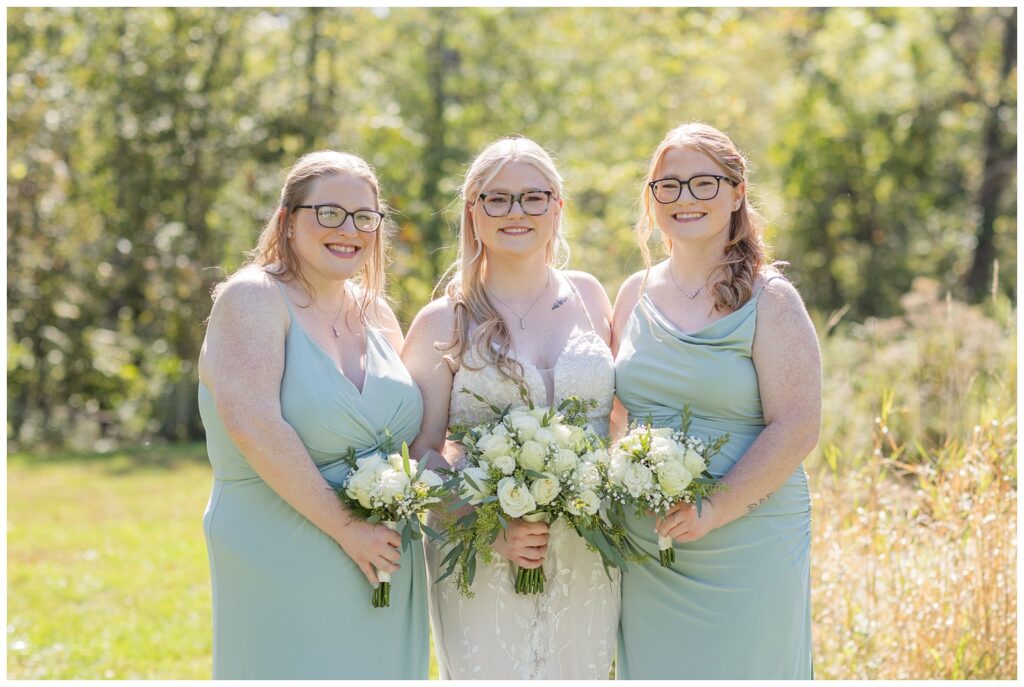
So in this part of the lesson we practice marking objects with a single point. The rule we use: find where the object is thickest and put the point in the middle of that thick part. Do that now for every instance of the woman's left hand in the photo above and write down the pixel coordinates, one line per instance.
(682, 523)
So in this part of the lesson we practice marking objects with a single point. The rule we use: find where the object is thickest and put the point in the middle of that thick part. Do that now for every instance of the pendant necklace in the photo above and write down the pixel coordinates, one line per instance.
(689, 294)
(522, 318)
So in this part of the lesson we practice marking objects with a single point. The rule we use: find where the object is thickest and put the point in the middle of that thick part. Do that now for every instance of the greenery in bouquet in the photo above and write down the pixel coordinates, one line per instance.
(534, 463)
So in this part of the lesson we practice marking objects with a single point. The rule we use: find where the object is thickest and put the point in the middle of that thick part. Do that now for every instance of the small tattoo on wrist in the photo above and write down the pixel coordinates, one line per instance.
(752, 506)
(559, 303)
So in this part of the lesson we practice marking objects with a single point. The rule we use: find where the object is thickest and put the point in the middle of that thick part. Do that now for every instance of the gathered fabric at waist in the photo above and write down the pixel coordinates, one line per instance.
(332, 467)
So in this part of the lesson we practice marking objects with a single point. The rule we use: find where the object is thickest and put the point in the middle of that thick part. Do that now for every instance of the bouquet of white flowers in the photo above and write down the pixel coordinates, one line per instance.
(391, 489)
(534, 463)
(652, 469)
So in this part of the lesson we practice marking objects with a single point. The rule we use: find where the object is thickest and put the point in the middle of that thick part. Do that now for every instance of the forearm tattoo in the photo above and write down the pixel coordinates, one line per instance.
(752, 506)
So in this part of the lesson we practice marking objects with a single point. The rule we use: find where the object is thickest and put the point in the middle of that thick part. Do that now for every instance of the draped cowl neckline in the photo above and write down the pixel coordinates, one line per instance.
(728, 329)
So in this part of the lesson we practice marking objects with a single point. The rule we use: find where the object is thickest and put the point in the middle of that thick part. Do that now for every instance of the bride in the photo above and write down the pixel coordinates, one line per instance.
(509, 317)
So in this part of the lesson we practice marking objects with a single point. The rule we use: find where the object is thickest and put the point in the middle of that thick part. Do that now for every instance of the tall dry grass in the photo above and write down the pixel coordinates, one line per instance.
(914, 493)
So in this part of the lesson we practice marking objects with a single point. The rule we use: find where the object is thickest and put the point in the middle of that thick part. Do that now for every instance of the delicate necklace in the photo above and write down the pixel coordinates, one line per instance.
(522, 318)
(334, 323)
(689, 294)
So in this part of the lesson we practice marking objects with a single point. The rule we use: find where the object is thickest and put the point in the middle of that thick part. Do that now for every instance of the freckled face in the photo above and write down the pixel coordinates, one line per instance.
(517, 233)
(341, 252)
(689, 218)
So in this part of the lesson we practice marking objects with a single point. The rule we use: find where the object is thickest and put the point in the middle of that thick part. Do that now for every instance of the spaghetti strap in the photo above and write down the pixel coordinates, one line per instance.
(288, 303)
(582, 304)
(768, 281)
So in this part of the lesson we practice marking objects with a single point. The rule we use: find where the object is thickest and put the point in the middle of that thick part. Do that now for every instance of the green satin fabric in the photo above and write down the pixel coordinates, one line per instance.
(288, 602)
(736, 603)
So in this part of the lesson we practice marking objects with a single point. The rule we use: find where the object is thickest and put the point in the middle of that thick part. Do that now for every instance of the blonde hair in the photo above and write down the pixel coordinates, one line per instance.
(465, 288)
(745, 253)
(274, 251)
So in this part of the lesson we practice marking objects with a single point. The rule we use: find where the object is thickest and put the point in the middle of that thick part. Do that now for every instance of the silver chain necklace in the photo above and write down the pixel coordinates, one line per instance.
(334, 322)
(522, 318)
(689, 294)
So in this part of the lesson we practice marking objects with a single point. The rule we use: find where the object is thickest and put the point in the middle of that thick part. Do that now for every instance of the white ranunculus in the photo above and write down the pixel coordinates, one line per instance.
(545, 490)
(673, 477)
(360, 486)
(494, 445)
(505, 463)
(524, 424)
(617, 466)
(637, 479)
(531, 456)
(393, 484)
(474, 493)
(694, 462)
(515, 498)
(544, 436)
(587, 476)
(563, 461)
(584, 502)
(431, 478)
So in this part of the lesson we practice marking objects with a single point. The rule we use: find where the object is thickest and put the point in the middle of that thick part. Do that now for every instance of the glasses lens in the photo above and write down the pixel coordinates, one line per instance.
(497, 204)
(534, 203)
(366, 220)
(330, 216)
(667, 190)
(704, 187)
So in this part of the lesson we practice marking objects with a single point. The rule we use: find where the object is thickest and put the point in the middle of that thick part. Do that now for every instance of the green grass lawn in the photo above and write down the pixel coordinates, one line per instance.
(107, 575)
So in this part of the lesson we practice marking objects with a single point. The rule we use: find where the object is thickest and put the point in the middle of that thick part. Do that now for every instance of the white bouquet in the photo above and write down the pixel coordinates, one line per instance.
(652, 469)
(394, 490)
(533, 463)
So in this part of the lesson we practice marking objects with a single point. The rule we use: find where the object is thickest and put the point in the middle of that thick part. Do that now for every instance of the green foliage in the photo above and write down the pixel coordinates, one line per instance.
(145, 150)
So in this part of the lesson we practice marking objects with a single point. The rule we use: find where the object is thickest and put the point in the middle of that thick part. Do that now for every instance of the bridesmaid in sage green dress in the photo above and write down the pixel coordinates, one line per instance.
(715, 328)
(300, 364)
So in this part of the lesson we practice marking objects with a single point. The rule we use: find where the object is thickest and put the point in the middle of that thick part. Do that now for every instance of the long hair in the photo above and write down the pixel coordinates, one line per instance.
(730, 283)
(491, 340)
(274, 252)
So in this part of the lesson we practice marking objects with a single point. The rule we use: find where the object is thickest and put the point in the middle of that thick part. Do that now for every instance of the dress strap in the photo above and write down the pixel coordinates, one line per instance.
(284, 295)
(582, 304)
(768, 281)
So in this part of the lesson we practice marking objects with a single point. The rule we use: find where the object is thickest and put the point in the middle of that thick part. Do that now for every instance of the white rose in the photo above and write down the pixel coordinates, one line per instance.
(563, 461)
(630, 443)
(395, 461)
(563, 437)
(546, 489)
(538, 413)
(524, 424)
(587, 476)
(371, 463)
(673, 477)
(637, 479)
(617, 466)
(500, 431)
(577, 435)
(474, 493)
(662, 449)
(599, 456)
(505, 463)
(544, 436)
(694, 462)
(515, 498)
(663, 432)
(360, 487)
(532, 455)
(431, 478)
(584, 502)
(494, 445)
(393, 484)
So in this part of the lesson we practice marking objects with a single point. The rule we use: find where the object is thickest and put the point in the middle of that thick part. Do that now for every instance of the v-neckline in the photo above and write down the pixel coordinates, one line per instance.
(553, 369)
(366, 370)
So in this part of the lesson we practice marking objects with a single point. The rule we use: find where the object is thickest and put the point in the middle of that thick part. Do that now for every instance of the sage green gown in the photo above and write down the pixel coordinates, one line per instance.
(736, 603)
(288, 602)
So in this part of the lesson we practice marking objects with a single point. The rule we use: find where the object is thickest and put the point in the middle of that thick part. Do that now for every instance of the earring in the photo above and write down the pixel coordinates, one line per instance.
(290, 233)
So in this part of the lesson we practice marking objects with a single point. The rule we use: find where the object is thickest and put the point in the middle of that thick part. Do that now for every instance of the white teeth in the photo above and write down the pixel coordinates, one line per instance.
(688, 215)
(335, 248)
(515, 230)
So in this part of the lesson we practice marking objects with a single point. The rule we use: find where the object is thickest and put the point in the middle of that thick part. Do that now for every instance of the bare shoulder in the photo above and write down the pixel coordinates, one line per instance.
(629, 293)
(250, 295)
(784, 327)
(433, 323)
(590, 289)
(780, 300)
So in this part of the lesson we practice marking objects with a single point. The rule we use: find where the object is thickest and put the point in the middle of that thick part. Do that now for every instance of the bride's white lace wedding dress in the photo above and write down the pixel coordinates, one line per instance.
(569, 630)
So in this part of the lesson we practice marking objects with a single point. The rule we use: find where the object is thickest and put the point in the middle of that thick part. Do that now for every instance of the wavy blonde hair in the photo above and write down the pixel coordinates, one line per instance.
(274, 253)
(464, 287)
(730, 283)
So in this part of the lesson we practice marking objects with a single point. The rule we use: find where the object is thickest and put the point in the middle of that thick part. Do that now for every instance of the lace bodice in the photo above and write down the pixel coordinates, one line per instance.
(584, 368)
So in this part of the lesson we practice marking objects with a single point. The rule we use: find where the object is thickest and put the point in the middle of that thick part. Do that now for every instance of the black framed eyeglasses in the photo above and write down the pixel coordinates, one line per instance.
(332, 216)
(702, 187)
(500, 204)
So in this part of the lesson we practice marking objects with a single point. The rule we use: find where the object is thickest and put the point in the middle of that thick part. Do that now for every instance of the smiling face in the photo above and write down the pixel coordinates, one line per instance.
(517, 233)
(339, 253)
(690, 219)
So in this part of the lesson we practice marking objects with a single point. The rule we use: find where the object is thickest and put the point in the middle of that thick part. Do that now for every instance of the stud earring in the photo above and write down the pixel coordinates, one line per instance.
(290, 234)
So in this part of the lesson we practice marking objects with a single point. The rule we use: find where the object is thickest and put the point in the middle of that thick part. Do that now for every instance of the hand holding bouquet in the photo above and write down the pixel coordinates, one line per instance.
(652, 469)
(395, 491)
(533, 463)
